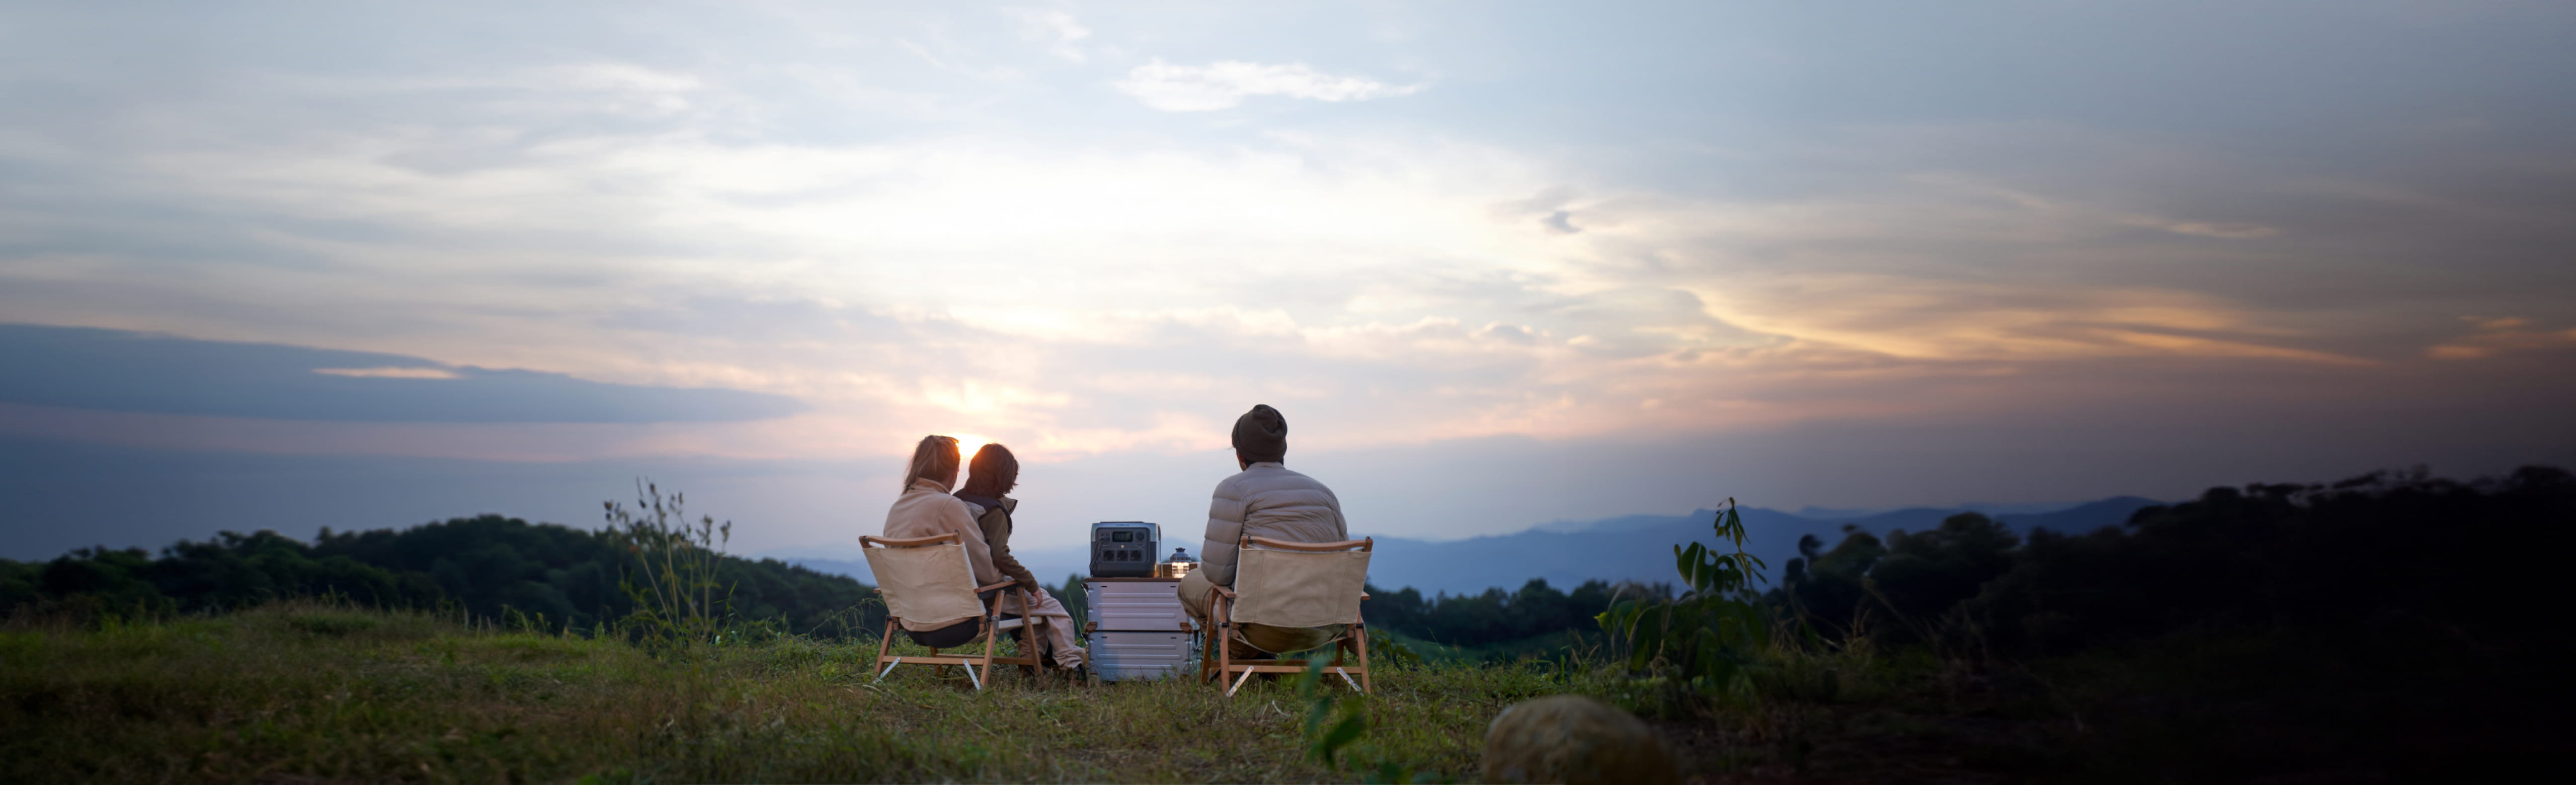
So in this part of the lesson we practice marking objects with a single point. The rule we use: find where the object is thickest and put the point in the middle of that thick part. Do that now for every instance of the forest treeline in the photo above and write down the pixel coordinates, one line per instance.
(2387, 546)
(2389, 549)
(1494, 616)
(495, 568)
(507, 569)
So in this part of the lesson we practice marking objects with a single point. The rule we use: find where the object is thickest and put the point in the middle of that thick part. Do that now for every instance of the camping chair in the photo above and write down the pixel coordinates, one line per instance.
(1290, 584)
(928, 580)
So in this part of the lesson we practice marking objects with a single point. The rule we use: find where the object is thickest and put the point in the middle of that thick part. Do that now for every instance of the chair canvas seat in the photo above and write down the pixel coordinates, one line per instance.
(928, 586)
(1292, 585)
(927, 583)
(1294, 589)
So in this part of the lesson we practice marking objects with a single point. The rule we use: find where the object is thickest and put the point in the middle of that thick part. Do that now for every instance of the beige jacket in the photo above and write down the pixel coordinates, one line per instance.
(1267, 500)
(926, 510)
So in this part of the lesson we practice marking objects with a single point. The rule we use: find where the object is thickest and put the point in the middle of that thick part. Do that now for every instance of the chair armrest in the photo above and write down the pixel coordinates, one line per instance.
(1006, 582)
(1223, 591)
(907, 542)
(1362, 544)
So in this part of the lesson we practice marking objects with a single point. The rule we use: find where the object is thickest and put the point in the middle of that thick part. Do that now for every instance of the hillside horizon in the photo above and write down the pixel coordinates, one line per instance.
(1567, 553)
(1562, 553)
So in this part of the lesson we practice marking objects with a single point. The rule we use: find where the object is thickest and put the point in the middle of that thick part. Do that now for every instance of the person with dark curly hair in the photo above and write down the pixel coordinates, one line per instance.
(992, 473)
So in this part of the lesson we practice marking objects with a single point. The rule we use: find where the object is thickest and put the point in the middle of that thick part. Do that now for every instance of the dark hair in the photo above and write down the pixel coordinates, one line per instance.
(1261, 435)
(935, 457)
(995, 471)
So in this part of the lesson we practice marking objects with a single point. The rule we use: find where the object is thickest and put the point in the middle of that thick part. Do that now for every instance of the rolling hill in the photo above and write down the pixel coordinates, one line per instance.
(1633, 547)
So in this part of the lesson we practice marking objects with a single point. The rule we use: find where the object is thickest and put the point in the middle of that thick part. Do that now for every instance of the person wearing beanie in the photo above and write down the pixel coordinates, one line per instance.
(1264, 500)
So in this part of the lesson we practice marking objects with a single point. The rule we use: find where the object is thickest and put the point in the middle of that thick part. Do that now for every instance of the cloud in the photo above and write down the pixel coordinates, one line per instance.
(923, 250)
(390, 373)
(1981, 278)
(1225, 83)
(1056, 29)
(2497, 335)
(2228, 231)
(1019, 291)
(138, 372)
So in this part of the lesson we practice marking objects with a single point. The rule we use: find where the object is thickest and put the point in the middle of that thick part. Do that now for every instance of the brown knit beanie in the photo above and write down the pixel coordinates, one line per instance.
(1261, 435)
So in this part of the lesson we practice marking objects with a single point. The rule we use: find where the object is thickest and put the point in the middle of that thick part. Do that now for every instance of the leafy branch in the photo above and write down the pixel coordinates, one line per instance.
(1710, 632)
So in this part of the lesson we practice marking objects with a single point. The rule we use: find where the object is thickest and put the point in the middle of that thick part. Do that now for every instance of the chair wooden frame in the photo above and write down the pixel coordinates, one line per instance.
(1216, 655)
(994, 624)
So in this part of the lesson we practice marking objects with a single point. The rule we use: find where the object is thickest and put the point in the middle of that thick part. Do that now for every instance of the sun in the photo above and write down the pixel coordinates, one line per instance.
(967, 444)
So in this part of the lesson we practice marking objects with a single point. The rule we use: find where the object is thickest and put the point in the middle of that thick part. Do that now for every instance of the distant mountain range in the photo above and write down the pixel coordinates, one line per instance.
(1634, 547)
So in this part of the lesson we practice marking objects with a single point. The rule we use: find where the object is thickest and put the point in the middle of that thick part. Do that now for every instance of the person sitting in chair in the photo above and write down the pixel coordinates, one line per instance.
(926, 510)
(1264, 500)
(993, 472)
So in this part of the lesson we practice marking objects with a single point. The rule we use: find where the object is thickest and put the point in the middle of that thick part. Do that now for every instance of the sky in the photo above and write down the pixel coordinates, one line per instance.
(291, 265)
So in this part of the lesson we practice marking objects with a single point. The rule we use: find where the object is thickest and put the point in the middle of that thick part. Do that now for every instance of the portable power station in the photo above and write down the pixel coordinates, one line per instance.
(1125, 549)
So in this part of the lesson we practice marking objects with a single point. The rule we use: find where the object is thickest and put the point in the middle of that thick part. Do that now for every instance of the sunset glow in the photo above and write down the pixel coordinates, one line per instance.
(967, 444)
(771, 246)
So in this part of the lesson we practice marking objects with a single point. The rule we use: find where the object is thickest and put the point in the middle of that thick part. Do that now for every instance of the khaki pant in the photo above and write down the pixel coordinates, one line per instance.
(1054, 625)
(1197, 596)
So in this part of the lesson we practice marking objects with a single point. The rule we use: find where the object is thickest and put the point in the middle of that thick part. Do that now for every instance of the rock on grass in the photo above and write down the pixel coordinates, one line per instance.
(1574, 739)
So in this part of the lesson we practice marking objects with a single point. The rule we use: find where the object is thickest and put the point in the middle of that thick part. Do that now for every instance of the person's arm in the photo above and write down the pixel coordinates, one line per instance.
(996, 525)
(954, 516)
(1224, 533)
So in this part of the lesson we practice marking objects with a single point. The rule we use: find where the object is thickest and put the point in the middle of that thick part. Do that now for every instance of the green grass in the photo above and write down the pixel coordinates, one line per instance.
(304, 692)
(313, 693)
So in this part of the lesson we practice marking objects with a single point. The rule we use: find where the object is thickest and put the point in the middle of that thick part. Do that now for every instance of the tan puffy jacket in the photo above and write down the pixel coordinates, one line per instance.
(1267, 500)
(926, 509)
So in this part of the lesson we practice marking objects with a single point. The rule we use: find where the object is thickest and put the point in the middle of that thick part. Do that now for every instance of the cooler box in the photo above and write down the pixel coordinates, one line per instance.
(1120, 655)
(1138, 604)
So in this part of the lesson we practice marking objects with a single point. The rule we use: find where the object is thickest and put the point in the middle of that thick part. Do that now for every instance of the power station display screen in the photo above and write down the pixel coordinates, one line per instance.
(1122, 536)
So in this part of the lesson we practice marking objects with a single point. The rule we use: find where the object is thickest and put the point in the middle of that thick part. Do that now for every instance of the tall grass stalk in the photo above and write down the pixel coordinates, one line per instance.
(673, 581)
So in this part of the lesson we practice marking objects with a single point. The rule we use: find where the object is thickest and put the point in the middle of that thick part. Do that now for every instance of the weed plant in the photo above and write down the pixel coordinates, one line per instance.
(672, 581)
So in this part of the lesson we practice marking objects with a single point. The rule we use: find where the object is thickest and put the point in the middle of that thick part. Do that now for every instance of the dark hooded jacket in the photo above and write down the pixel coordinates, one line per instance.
(994, 517)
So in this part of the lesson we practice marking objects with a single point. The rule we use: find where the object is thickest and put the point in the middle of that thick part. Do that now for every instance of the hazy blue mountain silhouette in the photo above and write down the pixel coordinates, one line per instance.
(1629, 547)
(1639, 547)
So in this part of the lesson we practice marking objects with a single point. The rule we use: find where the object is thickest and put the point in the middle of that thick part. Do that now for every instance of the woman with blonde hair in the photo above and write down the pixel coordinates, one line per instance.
(926, 510)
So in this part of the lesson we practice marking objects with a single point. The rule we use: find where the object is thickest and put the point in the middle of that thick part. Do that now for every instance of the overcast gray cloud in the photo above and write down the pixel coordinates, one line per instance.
(135, 372)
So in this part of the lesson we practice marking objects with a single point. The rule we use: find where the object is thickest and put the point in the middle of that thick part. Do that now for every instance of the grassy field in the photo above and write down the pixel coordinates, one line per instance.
(307, 693)
(312, 693)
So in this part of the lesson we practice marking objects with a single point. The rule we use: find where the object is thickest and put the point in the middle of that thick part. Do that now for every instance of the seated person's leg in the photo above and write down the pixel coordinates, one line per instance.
(1194, 597)
(951, 636)
(1057, 628)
